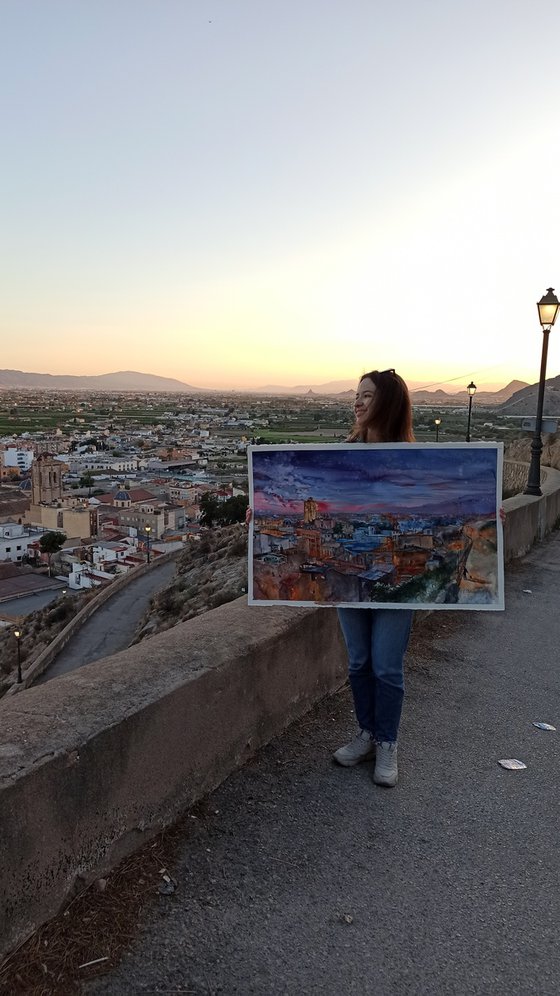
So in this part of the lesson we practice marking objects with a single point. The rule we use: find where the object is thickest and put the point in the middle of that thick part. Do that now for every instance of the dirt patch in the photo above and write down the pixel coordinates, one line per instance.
(97, 926)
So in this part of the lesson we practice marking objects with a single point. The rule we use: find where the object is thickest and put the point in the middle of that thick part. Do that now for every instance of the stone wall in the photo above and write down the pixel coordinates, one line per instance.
(530, 518)
(515, 477)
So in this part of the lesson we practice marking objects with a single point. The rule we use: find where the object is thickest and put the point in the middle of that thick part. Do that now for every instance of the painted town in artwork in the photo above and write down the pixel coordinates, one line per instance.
(397, 525)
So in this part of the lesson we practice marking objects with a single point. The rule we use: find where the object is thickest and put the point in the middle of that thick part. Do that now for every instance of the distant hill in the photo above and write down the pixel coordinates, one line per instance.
(332, 387)
(131, 380)
(346, 388)
(524, 402)
(336, 387)
(123, 380)
(481, 397)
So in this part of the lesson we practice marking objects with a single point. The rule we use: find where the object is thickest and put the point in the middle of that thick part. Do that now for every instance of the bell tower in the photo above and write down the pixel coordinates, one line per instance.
(46, 480)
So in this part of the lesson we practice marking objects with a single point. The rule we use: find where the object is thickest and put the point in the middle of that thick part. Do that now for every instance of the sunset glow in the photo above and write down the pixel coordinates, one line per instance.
(242, 195)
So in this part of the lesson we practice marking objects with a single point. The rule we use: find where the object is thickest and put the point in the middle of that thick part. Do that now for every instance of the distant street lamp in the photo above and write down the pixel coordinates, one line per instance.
(548, 310)
(472, 391)
(148, 531)
(17, 634)
(437, 423)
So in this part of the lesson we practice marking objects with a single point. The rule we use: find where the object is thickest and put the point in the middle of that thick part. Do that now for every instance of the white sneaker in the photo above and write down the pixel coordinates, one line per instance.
(386, 770)
(361, 748)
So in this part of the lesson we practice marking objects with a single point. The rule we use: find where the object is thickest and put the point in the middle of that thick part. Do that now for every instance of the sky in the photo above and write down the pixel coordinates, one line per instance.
(239, 193)
(363, 479)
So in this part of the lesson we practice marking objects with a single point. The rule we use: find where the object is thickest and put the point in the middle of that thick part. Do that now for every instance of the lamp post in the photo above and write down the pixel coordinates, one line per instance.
(437, 423)
(548, 310)
(148, 531)
(17, 634)
(471, 391)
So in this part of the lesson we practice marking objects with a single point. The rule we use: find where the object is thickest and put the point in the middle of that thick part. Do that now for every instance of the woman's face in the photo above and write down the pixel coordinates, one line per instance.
(364, 401)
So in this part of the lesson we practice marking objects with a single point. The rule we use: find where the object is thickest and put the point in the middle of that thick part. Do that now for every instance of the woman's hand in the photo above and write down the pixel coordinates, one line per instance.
(503, 515)
(248, 515)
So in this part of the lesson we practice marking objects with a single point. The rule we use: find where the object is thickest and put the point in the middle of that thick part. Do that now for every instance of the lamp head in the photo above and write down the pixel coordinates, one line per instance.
(148, 529)
(437, 421)
(548, 308)
(471, 389)
(17, 633)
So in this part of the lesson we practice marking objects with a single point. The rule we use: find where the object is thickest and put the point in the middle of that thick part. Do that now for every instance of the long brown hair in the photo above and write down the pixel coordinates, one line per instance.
(391, 413)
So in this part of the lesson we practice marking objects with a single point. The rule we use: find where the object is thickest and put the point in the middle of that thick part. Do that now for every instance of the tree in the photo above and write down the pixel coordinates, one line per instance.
(233, 510)
(86, 480)
(209, 506)
(223, 513)
(51, 543)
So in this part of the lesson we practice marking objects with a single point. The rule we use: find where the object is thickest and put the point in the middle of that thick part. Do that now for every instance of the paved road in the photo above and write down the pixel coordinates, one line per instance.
(450, 880)
(113, 626)
(16, 608)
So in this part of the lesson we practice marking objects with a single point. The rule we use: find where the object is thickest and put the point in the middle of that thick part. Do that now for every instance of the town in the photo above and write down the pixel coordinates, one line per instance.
(382, 558)
(123, 478)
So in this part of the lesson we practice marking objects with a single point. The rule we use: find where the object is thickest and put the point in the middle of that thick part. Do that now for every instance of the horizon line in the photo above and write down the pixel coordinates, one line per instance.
(306, 386)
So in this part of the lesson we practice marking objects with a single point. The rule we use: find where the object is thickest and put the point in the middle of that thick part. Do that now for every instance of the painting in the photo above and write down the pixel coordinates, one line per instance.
(398, 525)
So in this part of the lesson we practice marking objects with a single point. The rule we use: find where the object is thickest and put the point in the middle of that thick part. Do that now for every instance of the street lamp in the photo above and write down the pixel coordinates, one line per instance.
(17, 634)
(437, 423)
(148, 531)
(548, 310)
(471, 391)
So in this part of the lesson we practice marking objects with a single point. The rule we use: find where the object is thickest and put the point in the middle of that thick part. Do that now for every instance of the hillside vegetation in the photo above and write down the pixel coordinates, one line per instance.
(38, 629)
(209, 573)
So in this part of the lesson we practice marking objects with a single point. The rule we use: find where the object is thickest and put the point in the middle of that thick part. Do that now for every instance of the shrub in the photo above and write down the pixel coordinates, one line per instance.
(238, 548)
(56, 615)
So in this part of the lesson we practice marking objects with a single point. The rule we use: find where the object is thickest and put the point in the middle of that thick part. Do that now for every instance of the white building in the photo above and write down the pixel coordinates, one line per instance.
(104, 554)
(15, 541)
(90, 461)
(85, 576)
(12, 456)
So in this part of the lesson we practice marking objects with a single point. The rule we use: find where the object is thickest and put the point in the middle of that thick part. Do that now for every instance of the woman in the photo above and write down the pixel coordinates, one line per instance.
(376, 639)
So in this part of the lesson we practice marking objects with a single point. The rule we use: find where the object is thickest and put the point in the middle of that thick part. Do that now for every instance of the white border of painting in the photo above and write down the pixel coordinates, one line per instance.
(497, 606)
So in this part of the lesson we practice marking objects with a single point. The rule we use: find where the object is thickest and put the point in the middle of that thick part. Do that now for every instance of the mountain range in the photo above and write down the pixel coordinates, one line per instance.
(419, 396)
(123, 380)
(524, 402)
(482, 397)
(517, 398)
(415, 387)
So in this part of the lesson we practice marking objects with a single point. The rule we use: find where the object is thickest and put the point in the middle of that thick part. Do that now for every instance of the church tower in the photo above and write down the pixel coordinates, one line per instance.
(46, 480)
(310, 510)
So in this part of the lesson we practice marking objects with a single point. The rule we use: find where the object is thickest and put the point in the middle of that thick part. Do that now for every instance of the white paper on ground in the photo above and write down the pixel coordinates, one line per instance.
(512, 763)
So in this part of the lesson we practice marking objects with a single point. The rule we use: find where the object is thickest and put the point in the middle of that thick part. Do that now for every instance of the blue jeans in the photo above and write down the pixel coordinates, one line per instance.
(376, 640)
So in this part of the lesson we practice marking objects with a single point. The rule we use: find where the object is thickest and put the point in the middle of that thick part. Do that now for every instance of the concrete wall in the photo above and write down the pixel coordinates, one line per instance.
(93, 762)
(528, 518)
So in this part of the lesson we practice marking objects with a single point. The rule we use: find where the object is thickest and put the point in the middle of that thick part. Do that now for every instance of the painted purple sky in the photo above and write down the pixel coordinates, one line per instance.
(404, 480)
